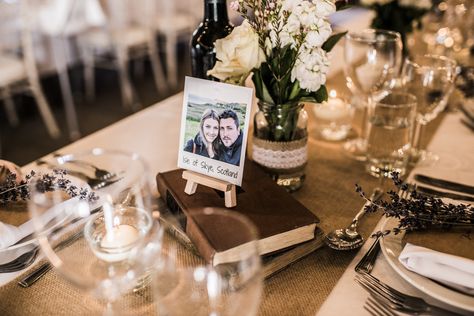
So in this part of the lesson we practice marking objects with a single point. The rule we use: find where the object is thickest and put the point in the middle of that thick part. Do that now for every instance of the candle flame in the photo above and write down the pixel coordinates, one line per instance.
(333, 93)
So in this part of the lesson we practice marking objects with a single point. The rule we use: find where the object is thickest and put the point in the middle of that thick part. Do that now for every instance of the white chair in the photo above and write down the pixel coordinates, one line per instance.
(20, 73)
(175, 20)
(58, 21)
(126, 37)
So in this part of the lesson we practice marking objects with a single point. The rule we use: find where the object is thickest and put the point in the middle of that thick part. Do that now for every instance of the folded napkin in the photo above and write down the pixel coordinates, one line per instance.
(453, 271)
(11, 234)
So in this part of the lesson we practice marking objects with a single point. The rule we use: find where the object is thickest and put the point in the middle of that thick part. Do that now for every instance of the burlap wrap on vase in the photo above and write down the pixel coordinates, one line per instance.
(284, 161)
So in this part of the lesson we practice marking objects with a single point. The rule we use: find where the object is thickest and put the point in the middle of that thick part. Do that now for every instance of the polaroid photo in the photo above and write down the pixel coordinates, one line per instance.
(214, 129)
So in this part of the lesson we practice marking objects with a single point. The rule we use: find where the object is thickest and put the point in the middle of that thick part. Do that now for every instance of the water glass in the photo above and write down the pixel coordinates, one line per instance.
(114, 222)
(183, 284)
(391, 122)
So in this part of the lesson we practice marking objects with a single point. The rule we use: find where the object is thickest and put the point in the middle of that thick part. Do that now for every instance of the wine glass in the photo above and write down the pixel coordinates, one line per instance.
(431, 79)
(372, 60)
(113, 223)
(184, 284)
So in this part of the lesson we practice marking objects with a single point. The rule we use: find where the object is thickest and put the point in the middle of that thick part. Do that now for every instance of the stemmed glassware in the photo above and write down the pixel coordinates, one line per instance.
(115, 221)
(183, 284)
(431, 79)
(372, 61)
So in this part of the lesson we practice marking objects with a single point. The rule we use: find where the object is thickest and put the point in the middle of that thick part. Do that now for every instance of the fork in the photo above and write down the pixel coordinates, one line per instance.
(396, 299)
(366, 264)
(21, 262)
(377, 308)
(94, 183)
(98, 172)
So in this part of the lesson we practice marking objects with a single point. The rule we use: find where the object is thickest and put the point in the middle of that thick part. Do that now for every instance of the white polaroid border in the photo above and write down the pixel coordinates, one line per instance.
(224, 93)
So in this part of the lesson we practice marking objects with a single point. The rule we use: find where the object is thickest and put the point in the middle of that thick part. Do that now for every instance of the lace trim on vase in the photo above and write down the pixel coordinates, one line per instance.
(280, 155)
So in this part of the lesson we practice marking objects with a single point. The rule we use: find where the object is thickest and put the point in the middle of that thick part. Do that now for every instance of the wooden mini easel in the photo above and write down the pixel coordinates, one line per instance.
(194, 178)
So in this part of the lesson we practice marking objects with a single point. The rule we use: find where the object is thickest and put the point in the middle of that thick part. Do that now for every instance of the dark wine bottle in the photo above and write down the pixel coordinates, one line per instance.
(215, 25)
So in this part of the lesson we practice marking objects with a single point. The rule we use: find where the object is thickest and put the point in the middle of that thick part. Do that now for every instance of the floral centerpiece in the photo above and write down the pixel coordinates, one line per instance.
(284, 45)
(397, 15)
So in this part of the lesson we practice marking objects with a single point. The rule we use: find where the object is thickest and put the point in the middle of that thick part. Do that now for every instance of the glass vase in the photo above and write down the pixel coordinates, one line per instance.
(280, 142)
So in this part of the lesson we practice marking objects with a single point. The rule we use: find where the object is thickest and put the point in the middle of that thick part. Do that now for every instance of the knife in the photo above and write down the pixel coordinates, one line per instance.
(445, 184)
(37, 273)
(437, 193)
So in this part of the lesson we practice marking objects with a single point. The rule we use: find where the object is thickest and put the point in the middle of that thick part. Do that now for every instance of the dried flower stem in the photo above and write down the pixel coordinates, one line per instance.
(419, 211)
(11, 191)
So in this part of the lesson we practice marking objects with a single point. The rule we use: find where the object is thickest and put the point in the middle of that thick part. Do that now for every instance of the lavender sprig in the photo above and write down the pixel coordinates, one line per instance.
(13, 191)
(418, 211)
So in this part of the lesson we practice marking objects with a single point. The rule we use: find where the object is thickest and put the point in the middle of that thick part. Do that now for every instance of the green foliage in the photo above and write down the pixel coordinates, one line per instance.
(332, 41)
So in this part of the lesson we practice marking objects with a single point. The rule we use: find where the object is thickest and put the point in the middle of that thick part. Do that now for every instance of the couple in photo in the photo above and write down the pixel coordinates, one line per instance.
(219, 137)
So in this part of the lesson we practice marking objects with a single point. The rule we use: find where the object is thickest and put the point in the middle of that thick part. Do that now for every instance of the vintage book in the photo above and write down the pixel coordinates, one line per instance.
(281, 220)
(272, 263)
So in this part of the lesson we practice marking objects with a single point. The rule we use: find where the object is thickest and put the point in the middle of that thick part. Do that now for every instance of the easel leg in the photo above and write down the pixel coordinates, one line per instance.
(191, 187)
(230, 197)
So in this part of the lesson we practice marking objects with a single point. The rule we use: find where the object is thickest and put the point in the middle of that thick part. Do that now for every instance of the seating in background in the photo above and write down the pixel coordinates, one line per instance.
(125, 37)
(18, 72)
(175, 20)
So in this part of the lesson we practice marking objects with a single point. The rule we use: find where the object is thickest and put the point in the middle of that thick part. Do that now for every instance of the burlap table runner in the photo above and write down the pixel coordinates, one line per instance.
(298, 290)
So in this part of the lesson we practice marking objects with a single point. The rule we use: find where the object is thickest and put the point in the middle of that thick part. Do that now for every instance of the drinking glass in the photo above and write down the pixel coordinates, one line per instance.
(390, 127)
(372, 60)
(431, 79)
(184, 284)
(114, 222)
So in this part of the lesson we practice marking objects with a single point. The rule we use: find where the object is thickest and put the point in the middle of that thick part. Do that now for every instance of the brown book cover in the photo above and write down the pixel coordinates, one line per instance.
(281, 220)
(272, 263)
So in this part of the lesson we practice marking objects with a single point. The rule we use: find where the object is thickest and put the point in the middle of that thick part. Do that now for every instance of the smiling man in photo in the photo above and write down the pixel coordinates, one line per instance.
(231, 137)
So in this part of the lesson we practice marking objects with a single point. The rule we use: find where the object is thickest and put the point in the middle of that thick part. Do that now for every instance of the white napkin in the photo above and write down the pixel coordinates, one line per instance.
(456, 272)
(10, 234)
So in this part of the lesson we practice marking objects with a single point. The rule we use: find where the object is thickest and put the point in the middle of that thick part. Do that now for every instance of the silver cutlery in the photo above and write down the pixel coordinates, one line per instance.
(21, 262)
(445, 184)
(367, 262)
(438, 193)
(396, 299)
(35, 275)
(94, 183)
(349, 238)
(468, 124)
(98, 172)
(376, 308)
(467, 113)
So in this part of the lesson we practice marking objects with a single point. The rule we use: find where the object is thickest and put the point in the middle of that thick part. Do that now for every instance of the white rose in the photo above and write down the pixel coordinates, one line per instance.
(238, 53)
(324, 7)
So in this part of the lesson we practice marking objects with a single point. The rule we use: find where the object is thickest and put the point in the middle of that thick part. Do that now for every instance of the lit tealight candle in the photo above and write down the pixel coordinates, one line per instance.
(332, 110)
(116, 241)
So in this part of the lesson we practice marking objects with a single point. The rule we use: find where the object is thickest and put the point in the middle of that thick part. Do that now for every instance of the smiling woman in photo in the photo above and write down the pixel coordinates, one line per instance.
(204, 143)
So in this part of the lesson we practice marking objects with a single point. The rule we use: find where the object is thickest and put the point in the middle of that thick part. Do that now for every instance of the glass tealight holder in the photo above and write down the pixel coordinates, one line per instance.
(333, 117)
